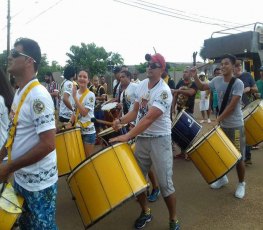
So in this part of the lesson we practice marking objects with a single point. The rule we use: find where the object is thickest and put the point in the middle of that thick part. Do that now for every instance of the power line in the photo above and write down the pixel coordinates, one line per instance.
(43, 12)
(184, 12)
(170, 14)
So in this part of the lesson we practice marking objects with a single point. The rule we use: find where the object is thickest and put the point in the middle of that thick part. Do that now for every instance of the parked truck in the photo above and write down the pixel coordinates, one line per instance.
(246, 46)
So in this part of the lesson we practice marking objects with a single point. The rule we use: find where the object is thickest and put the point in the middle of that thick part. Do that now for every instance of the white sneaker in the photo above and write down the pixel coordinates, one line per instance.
(240, 192)
(208, 120)
(202, 121)
(219, 183)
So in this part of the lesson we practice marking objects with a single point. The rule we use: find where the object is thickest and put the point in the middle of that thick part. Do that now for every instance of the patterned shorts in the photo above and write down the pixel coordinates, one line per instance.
(39, 208)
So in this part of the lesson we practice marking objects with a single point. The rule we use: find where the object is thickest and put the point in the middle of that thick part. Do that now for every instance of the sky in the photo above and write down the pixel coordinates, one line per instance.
(122, 26)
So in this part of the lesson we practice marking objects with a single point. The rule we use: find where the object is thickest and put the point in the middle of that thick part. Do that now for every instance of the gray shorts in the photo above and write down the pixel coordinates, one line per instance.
(237, 137)
(157, 151)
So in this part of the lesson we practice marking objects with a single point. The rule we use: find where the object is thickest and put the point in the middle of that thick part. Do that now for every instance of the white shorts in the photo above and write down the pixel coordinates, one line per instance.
(204, 105)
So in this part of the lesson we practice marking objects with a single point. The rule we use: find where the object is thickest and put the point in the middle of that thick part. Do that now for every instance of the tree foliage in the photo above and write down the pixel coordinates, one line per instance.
(92, 58)
(44, 67)
(141, 67)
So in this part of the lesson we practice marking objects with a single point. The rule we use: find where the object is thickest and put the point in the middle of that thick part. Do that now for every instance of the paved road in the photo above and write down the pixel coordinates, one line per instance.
(198, 206)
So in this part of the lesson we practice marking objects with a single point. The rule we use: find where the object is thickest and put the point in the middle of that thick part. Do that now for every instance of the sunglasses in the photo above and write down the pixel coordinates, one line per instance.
(15, 54)
(154, 65)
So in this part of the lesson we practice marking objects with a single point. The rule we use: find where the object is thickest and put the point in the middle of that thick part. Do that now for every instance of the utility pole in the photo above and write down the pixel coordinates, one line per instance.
(8, 34)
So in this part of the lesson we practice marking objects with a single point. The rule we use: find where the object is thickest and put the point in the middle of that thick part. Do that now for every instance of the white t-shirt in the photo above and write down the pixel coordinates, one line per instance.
(67, 87)
(4, 121)
(137, 81)
(36, 116)
(89, 103)
(160, 97)
(130, 95)
(115, 81)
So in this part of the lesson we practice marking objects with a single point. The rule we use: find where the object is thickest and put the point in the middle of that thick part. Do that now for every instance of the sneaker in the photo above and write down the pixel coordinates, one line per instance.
(219, 183)
(202, 121)
(240, 192)
(154, 195)
(174, 225)
(142, 220)
(248, 162)
(208, 120)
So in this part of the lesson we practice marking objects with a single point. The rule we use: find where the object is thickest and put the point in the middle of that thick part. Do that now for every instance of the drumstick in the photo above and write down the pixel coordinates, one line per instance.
(101, 121)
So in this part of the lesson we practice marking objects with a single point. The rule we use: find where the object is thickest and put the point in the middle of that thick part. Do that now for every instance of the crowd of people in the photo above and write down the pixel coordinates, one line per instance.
(148, 107)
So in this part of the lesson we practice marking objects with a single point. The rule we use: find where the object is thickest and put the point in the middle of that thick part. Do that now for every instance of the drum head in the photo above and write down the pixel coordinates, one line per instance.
(178, 117)
(250, 108)
(105, 132)
(201, 140)
(109, 106)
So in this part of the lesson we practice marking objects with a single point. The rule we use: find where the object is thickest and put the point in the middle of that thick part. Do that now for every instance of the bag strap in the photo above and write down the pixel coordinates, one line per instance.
(226, 96)
(80, 101)
(12, 130)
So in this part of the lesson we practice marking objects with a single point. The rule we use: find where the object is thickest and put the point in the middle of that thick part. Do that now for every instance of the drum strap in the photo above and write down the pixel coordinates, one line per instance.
(226, 96)
(12, 130)
(86, 124)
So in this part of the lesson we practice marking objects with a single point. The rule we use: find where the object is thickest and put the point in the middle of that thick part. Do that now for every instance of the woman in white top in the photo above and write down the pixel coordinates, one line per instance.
(84, 106)
(6, 98)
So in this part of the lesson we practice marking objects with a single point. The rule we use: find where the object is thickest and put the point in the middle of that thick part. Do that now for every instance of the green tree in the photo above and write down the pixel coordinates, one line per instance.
(45, 67)
(141, 67)
(92, 58)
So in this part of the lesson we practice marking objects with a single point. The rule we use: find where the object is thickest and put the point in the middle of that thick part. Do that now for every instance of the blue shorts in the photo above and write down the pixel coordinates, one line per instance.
(89, 138)
(40, 208)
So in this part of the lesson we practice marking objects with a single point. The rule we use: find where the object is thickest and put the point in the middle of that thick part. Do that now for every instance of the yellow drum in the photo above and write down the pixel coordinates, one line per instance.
(104, 181)
(214, 155)
(10, 206)
(253, 119)
(70, 150)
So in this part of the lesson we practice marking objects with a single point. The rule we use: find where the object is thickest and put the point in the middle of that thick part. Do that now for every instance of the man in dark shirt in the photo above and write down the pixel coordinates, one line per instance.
(184, 94)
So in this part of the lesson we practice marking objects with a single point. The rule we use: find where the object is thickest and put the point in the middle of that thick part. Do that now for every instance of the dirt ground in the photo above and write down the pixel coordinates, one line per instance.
(198, 206)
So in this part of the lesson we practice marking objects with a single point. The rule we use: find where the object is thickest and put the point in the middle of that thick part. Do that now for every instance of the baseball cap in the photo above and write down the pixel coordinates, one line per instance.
(157, 58)
(202, 74)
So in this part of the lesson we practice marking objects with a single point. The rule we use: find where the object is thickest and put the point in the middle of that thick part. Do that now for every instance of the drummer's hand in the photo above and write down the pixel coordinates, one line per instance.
(122, 138)
(4, 172)
(193, 72)
(247, 89)
(68, 125)
(119, 106)
(116, 124)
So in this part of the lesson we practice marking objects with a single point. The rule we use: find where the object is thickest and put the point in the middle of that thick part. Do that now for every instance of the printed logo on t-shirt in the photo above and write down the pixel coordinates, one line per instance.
(38, 106)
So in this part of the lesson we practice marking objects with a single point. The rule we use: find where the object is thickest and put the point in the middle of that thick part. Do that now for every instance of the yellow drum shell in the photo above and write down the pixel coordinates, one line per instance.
(104, 181)
(214, 155)
(253, 119)
(7, 220)
(70, 150)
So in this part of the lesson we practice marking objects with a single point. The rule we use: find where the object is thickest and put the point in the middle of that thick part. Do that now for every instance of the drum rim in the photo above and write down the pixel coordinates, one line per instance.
(106, 131)
(189, 150)
(90, 158)
(115, 207)
(110, 129)
(111, 103)
(178, 117)
(67, 130)
(257, 105)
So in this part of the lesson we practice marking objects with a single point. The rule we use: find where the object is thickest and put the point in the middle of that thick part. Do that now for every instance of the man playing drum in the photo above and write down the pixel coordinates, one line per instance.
(153, 131)
(231, 118)
(31, 142)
